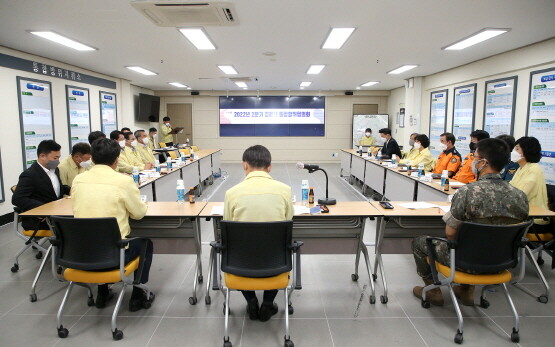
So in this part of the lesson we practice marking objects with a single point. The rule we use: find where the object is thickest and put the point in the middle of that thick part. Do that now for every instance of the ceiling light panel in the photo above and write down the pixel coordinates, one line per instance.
(241, 84)
(141, 70)
(228, 69)
(480, 36)
(177, 84)
(198, 38)
(368, 84)
(315, 69)
(52, 36)
(337, 38)
(402, 69)
(305, 84)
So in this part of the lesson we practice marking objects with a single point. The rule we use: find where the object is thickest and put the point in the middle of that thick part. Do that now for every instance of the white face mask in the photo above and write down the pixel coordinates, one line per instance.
(443, 146)
(168, 125)
(515, 156)
(145, 141)
(417, 145)
(85, 164)
(367, 134)
(134, 143)
(122, 143)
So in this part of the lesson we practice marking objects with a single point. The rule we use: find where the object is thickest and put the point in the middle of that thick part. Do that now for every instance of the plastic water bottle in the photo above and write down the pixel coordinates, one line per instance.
(136, 174)
(393, 159)
(192, 154)
(157, 165)
(180, 191)
(444, 177)
(169, 164)
(183, 159)
(305, 189)
(420, 170)
(379, 156)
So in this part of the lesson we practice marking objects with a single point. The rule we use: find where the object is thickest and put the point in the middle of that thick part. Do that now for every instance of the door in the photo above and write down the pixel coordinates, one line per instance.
(181, 115)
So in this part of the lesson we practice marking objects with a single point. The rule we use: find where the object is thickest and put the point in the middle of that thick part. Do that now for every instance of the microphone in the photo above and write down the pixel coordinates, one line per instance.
(307, 166)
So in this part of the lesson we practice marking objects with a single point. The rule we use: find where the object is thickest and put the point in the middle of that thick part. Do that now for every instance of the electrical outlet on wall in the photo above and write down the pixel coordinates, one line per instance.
(334, 154)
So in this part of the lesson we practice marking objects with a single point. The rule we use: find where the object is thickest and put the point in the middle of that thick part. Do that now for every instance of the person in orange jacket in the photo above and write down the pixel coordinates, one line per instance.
(449, 159)
(465, 174)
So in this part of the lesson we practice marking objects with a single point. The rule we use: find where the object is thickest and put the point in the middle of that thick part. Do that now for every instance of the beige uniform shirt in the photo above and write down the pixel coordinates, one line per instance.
(152, 144)
(530, 179)
(367, 141)
(423, 156)
(132, 158)
(102, 192)
(68, 170)
(145, 153)
(259, 198)
(165, 135)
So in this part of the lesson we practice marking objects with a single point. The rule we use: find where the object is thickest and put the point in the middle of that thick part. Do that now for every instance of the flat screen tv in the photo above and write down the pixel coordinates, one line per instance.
(149, 108)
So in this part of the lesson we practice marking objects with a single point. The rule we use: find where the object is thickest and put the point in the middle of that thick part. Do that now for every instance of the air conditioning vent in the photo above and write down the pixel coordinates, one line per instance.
(187, 13)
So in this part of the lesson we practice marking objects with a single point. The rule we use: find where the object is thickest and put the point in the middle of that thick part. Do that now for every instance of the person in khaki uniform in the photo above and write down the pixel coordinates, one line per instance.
(165, 130)
(367, 139)
(259, 198)
(76, 163)
(489, 200)
(423, 154)
(153, 138)
(145, 153)
(412, 152)
(131, 155)
(123, 166)
(102, 192)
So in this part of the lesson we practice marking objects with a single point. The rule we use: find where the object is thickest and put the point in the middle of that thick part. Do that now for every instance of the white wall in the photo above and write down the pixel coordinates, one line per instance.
(339, 112)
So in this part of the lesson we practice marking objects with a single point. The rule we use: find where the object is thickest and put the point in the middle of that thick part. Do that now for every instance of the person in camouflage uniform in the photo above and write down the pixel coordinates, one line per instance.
(489, 200)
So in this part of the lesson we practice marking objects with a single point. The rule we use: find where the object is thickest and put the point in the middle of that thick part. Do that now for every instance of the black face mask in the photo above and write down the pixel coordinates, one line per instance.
(472, 146)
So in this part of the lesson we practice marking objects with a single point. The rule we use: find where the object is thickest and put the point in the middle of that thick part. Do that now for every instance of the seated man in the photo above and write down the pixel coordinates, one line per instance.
(142, 148)
(423, 154)
(450, 158)
(367, 139)
(153, 138)
(76, 163)
(259, 198)
(102, 192)
(509, 170)
(123, 166)
(130, 154)
(489, 200)
(390, 145)
(465, 174)
(412, 152)
(95, 135)
(40, 184)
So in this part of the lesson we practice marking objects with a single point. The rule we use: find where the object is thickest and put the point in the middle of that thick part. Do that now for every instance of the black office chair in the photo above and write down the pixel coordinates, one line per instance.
(258, 256)
(91, 251)
(472, 250)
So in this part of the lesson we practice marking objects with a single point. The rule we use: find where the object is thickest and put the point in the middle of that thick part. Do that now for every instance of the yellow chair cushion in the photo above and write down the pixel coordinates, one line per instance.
(251, 283)
(111, 276)
(185, 151)
(542, 237)
(466, 278)
(40, 233)
(162, 144)
(172, 154)
(195, 148)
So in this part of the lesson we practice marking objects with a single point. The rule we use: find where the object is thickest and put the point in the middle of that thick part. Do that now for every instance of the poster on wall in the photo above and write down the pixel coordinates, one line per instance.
(541, 118)
(36, 120)
(464, 108)
(438, 119)
(78, 114)
(108, 112)
(1, 180)
(499, 106)
(373, 121)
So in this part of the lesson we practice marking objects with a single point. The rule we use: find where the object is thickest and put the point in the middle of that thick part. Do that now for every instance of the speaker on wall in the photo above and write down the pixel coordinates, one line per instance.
(349, 92)
(195, 92)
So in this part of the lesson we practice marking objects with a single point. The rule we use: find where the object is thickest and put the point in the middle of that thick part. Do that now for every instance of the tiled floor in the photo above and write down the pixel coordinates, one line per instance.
(330, 310)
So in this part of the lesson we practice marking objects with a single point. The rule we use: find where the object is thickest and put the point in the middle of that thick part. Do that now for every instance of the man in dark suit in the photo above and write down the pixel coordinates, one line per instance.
(390, 145)
(40, 184)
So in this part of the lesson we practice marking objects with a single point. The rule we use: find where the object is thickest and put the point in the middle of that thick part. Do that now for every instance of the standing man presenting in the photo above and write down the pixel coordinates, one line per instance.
(259, 198)
(165, 131)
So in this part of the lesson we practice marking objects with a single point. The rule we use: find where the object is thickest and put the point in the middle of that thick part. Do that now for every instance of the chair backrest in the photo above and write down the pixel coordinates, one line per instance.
(487, 248)
(172, 154)
(185, 151)
(195, 148)
(87, 243)
(256, 249)
(162, 144)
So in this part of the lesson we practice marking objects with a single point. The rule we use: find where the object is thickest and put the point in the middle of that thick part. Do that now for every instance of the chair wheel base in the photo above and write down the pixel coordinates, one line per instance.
(200, 279)
(543, 299)
(484, 303)
(514, 336)
(290, 310)
(374, 277)
(62, 332)
(90, 302)
(207, 300)
(38, 255)
(383, 299)
(288, 343)
(354, 277)
(33, 297)
(15, 268)
(117, 335)
(458, 337)
(425, 304)
(192, 300)
(372, 299)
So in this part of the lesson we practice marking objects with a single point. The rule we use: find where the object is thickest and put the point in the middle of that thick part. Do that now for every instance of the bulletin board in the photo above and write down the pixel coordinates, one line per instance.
(499, 106)
(108, 112)
(464, 110)
(78, 115)
(438, 119)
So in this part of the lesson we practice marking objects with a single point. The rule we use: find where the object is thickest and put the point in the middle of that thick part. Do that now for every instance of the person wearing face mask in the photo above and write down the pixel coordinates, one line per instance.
(390, 145)
(142, 147)
(423, 154)
(367, 139)
(165, 131)
(489, 200)
(123, 166)
(76, 163)
(130, 155)
(259, 198)
(412, 152)
(153, 139)
(512, 166)
(40, 184)
(465, 174)
(450, 158)
(530, 179)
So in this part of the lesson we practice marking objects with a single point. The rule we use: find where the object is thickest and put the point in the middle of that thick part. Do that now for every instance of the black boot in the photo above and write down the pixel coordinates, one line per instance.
(267, 310)
(105, 294)
(139, 300)
(252, 309)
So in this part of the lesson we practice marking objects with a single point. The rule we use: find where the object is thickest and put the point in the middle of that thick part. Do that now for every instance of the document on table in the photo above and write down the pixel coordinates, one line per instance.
(217, 210)
(418, 205)
(445, 208)
(301, 209)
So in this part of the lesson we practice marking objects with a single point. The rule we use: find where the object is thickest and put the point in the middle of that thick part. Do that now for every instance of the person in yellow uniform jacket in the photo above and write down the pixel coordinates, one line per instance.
(259, 198)
(145, 153)
(123, 166)
(131, 155)
(530, 179)
(413, 152)
(102, 192)
(367, 139)
(165, 130)
(423, 155)
(153, 138)
(76, 163)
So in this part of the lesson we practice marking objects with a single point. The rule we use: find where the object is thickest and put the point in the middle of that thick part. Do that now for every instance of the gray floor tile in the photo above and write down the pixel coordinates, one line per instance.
(303, 332)
(378, 332)
(533, 331)
(31, 330)
(195, 332)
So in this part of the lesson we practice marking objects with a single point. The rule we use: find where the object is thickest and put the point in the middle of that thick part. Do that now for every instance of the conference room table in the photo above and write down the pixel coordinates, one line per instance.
(341, 231)
(174, 226)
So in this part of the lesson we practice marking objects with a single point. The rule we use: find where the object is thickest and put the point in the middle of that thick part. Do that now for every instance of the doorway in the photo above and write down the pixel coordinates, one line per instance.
(181, 115)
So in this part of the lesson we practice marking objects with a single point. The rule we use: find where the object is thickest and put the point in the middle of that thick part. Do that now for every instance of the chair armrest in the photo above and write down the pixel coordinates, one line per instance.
(296, 248)
(217, 246)
(433, 256)
(54, 241)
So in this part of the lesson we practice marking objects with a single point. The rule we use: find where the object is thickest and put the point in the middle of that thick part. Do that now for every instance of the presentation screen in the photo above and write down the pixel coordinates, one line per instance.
(272, 116)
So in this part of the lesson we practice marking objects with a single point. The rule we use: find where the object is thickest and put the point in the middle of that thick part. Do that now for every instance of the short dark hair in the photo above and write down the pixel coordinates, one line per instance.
(151, 130)
(95, 135)
(165, 119)
(386, 131)
(114, 135)
(105, 152)
(413, 134)
(138, 133)
(449, 137)
(495, 151)
(257, 156)
(509, 139)
(81, 148)
(368, 130)
(531, 148)
(480, 134)
(125, 130)
(47, 146)
(423, 139)
(127, 135)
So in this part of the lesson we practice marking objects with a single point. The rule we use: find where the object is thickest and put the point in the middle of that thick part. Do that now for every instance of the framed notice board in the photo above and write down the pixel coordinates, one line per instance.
(499, 106)
(78, 115)
(36, 120)
(541, 118)
(438, 118)
(464, 109)
(108, 112)
(2, 199)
